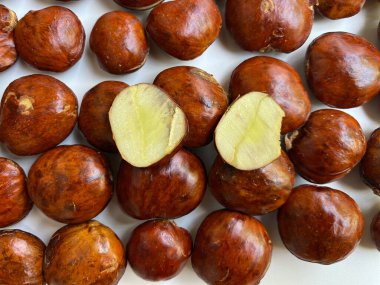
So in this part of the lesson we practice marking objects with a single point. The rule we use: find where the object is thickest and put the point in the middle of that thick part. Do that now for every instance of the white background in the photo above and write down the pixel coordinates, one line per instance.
(361, 267)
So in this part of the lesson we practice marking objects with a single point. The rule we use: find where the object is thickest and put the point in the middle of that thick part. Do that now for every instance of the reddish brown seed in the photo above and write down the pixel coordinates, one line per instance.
(37, 113)
(138, 4)
(200, 96)
(338, 9)
(15, 203)
(119, 42)
(342, 69)
(22, 255)
(255, 192)
(8, 22)
(167, 246)
(265, 25)
(375, 230)
(93, 119)
(44, 41)
(327, 147)
(70, 184)
(231, 248)
(168, 190)
(88, 253)
(320, 224)
(175, 27)
(278, 79)
(370, 164)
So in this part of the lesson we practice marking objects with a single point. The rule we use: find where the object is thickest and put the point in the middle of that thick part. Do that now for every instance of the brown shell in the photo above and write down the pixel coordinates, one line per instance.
(166, 245)
(370, 164)
(22, 256)
(265, 25)
(44, 41)
(119, 42)
(320, 224)
(168, 190)
(255, 192)
(88, 253)
(327, 147)
(375, 230)
(70, 184)
(37, 113)
(277, 79)
(15, 203)
(231, 248)
(342, 69)
(138, 4)
(8, 53)
(200, 96)
(93, 119)
(175, 27)
(338, 9)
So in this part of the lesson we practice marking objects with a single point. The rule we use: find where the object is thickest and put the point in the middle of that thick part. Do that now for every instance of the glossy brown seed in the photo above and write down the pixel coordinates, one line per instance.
(338, 9)
(278, 79)
(119, 42)
(70, 184)
(327, 147)
(88, 253)
(15, 203)
(231, 248)
(37, 113)
(44, 41)
(320, 224)
(200, 96)
(342, 69)
(265, 25)
(375, 230)
(167, 246)
(138, 4)
(168, 190)
(22, 255)
(370, 165)
(8, 22)
(255, 192)
(93, 119)
(175, 27)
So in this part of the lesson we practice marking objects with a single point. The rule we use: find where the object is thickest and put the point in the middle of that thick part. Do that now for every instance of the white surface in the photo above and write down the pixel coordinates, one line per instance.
(362, 267)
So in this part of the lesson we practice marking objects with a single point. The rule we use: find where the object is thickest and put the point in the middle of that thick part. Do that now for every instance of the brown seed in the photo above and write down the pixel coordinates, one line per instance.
(70, 184)
(375, 230)
(255, 192)
(93, 119)
(15, 203)
(185, 28)
(370, 165)
(167, 246)
(279, 80)
(22, 255)
(138, 4)
(327, 147)
(119, 42)
(168, 190)
(342, 69)
(37, 113)
(88, 253)
(44, 41)
(231, 248)
(200, 96)
(320, 224)
(8, 22)
(338, 9)
(265, 25)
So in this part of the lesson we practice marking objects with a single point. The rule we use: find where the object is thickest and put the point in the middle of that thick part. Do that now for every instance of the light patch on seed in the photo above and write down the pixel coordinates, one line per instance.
(25, 105)
(267, 6)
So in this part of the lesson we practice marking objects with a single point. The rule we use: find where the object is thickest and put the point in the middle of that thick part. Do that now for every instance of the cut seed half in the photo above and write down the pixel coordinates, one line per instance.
(248, 135)
(146, 124)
